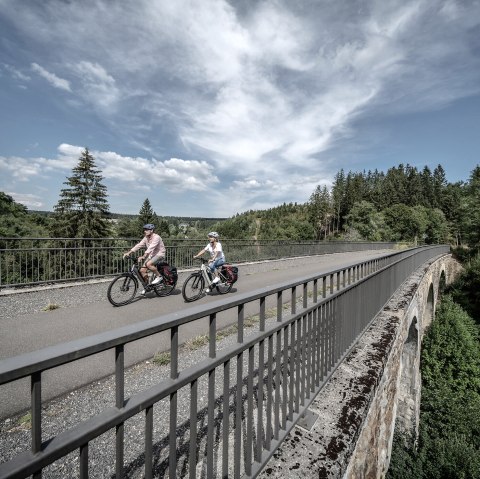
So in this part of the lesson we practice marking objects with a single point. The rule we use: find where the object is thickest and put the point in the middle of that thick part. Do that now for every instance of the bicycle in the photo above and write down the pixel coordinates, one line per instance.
(123, 288)
(194, 285)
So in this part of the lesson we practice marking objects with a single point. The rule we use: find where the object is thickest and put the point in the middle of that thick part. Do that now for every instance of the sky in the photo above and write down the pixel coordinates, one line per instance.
(211, 108)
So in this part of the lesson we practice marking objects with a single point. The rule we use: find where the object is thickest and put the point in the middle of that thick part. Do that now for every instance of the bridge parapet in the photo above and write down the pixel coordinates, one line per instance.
(269, 377)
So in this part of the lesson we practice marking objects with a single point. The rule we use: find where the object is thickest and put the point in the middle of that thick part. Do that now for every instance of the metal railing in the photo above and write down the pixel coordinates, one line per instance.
(256, 388)
(31, 261)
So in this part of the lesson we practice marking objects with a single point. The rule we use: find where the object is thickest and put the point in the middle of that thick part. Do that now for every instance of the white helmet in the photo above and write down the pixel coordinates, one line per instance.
(213, 234)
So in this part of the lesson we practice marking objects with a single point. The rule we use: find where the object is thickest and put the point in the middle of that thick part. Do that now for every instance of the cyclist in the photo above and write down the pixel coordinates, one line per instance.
(154, 252)
(217, 258)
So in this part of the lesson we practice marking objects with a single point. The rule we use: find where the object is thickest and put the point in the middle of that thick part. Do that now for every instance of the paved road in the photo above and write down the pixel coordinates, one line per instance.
(30, 332)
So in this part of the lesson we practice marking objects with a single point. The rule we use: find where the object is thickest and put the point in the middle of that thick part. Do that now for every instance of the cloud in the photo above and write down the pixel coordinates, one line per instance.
(25, 169)
(175, 174)
(53, 79)
(98, 87)
(15, 73)
(29, 200)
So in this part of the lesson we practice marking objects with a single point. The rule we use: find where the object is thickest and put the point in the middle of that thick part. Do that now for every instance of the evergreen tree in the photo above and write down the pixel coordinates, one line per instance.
(82, 210)
(428, 187)
(147, 215)
(338, 194)
(439, 185)
(472, 210)
(320, 211)
(415, 187)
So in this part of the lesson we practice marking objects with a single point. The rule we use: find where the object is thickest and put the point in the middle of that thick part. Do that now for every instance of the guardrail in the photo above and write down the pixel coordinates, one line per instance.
(257, 388)
(31, 261)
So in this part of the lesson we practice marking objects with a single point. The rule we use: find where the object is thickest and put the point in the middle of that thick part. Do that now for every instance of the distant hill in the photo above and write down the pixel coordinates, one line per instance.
(179, 219)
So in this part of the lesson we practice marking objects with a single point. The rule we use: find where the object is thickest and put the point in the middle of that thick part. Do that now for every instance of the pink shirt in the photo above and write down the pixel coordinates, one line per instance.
(153, 244)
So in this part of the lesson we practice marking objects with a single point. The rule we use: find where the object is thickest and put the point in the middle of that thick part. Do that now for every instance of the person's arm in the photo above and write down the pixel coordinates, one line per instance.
(139, 245)
(200, 252)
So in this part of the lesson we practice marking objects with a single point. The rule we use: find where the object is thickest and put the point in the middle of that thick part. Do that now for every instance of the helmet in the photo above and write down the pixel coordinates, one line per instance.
(213, 234)
(149, 226)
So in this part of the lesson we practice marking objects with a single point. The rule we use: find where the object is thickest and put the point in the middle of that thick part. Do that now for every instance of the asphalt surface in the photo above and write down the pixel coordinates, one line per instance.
(83, 310)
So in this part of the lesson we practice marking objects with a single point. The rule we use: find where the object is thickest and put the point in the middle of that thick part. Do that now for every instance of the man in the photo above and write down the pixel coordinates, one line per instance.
(154, 252)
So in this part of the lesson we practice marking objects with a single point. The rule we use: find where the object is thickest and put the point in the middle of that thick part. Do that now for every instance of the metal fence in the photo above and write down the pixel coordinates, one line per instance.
(256, 389)
(30, 261)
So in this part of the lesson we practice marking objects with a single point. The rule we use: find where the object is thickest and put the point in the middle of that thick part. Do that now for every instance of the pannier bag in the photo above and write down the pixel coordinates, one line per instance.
(230, 272)
(168, 272)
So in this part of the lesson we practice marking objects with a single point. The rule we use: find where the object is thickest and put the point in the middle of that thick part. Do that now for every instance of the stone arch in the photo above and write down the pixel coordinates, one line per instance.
(442, 283)
(429, 312)
(409, 386)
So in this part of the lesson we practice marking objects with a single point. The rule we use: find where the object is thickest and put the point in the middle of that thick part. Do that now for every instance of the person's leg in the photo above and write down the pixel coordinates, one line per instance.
(143, 272)
(216, 264)
(152, 265)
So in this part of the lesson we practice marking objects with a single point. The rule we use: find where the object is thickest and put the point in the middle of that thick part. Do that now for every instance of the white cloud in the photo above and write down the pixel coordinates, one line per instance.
(15, 73)
(29, 200)
(53, 79)
(98, 87)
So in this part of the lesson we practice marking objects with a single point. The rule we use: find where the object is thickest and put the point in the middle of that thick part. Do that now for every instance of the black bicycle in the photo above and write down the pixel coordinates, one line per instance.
(123, 288)
(195, 285)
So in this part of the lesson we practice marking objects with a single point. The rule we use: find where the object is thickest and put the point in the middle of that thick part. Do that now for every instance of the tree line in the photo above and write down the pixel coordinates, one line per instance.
(403, 204)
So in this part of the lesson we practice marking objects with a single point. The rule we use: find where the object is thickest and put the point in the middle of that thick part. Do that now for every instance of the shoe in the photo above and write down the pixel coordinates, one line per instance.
(216, 280)
(207, 290)
(143, 292)
(157, 280)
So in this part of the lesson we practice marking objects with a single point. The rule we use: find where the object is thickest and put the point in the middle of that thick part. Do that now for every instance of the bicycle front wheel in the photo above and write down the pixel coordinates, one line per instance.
(122, 289)
(193, 287)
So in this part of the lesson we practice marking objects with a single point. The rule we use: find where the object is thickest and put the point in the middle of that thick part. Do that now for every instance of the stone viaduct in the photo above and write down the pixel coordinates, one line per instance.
(376, 389)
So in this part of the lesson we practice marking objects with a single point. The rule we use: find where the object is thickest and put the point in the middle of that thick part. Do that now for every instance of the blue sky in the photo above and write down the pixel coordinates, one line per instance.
(212, 108)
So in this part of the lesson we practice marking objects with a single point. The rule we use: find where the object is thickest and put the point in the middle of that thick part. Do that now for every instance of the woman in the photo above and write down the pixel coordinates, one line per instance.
(217, 258)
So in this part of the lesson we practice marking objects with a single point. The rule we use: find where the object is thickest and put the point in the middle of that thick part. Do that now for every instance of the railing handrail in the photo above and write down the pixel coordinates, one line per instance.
(34, 261)
(63, 353)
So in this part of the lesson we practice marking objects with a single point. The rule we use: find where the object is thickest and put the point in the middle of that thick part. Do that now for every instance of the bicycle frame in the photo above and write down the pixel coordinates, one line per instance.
(135, 270)
(206, 272)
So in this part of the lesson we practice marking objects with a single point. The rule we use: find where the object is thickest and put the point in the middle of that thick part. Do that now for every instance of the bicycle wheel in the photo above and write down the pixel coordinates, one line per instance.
(193, 287)
(122, 289)
(223, 286)
(164, 289)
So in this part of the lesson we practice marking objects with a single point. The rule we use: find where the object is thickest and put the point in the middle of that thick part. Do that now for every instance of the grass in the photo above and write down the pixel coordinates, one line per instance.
(162, 359)
(51, 307)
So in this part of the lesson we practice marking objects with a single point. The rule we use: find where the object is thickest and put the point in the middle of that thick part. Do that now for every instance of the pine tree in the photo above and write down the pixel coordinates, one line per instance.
(320, 211)
(472, 208)
(82, 210)
(439, 185)
(338, 193)
(147, 215)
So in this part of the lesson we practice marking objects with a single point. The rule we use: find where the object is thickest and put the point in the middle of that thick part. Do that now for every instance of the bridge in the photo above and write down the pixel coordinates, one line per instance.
(322, 374)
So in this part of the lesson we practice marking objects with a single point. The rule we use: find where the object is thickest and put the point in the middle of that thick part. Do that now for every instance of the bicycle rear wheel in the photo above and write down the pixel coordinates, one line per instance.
(163, 288)
(193, 287)
(223, 286)
(122, 289)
